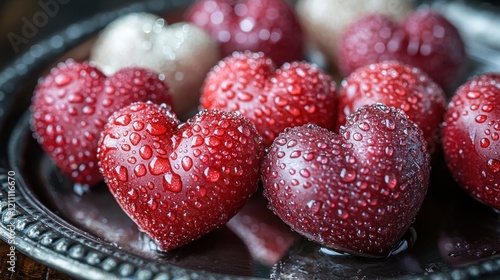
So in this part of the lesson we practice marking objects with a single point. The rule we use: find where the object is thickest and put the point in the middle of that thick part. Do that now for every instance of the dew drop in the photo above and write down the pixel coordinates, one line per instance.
(292, 143)
(135, 138)
(347, 175)
(357, 137)
(473, 94)
(172, 182)
(485, 143)
(196, 152)
(138, 126)
(211, 174)
(49, 118)
(152, 204)
(280, 141)
(481, 118)
(487, 108)
(230, 94)
(140, 170)
(75, 97)
(309, 156)
(342, 214)
(121, 173)
(314, 206)
(295, 154)
(389, 151)
(146, 152)
(364, 126)
(88, 110)
(360, 233)
(107, 102)
(293, 111)
(109, 89)
(390, 180)
(171, 216)
(89, 136)
(280, 101)
(202, 191)
(132, 194)
(346, 135)
(204, 158)
(123, 120)
(197, 141)
(186, 163)
(156, 129)
(305, 173)
(389, 124)
(126, 147)
(212, 141)
(60, 140)
(243, 140)
(62, 80)
(159, 165)
(294, 89)
(245, 96)
(494, 165)
(72, 111)
(310, 109)
(226, 85)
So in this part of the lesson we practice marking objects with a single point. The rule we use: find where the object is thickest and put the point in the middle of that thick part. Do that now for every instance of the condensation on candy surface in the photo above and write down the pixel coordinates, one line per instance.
(181, 53)
(325, 20)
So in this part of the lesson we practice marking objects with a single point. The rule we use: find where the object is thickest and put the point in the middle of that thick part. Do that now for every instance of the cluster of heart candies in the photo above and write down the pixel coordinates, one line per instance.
(346, 167)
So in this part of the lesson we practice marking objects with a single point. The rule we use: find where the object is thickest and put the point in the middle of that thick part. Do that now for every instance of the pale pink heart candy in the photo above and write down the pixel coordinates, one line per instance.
(326, 20)
(181, 53)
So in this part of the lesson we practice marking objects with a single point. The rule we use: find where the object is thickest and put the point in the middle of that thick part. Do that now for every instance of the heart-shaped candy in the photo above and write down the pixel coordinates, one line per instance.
(73, 102)
(326, 20)
(179, 182)
(295, 94)
(426, 40)
(470, 138)
(357, 191)
(398, 85)
(268, 26)
(182, 52)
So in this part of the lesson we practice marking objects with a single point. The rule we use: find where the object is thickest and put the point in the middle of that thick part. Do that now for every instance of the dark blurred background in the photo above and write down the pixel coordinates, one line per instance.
(26, 22)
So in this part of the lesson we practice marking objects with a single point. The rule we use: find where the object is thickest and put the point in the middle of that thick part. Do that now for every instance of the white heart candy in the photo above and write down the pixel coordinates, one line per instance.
(181, 52)
(326, 20)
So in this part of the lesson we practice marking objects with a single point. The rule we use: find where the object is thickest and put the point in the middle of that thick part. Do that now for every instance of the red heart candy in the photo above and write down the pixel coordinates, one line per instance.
(73, 102)
(295, 94)
(268, 26)
(179, 182)
(426, 40)
(357, 191)
(398, 85)
(470, 138)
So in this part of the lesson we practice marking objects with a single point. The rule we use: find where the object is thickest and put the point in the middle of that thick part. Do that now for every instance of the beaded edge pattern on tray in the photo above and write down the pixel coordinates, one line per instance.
(35, 232)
